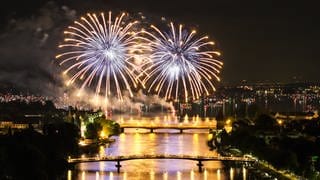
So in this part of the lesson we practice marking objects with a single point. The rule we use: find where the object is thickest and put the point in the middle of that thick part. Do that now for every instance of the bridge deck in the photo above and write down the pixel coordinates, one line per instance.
(174, 126)
(118, 159)
(166, 127)
(160, 156)
(179, 127)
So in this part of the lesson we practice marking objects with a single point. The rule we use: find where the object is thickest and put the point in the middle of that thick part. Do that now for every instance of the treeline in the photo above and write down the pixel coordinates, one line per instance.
(28, 154)
(16, 110)
(269, 141)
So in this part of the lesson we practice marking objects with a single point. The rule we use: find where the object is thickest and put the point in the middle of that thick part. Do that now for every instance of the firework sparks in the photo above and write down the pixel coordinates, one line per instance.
(99, 52)
(180, 65)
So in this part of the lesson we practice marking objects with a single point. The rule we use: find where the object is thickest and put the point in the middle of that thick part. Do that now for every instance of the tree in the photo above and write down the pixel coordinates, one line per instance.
(220, 116)
(291, 160)
(93, 130)
(253, 110)
(266, 122)
(110, 127)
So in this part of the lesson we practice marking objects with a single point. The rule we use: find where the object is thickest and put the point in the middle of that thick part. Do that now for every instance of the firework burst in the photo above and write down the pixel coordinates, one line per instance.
(99, 52)
(180, 65)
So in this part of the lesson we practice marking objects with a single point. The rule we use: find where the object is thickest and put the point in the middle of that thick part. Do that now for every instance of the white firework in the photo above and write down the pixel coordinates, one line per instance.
(99, 52)
(180, 65)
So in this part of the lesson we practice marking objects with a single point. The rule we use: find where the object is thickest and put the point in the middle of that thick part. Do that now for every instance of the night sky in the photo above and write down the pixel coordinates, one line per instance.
(260, 40)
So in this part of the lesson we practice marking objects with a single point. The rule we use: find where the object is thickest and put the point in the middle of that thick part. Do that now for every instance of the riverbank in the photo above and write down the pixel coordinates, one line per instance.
(260, 168)
(91, 146)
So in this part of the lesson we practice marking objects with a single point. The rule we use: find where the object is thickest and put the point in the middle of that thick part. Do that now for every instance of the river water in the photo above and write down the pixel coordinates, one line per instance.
(140, 141)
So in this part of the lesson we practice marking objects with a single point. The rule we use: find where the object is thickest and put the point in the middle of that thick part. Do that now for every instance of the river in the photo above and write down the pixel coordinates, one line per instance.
(140, 141)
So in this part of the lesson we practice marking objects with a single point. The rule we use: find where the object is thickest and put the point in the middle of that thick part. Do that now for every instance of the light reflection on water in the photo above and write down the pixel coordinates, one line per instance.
(139, 142)
(152, 175)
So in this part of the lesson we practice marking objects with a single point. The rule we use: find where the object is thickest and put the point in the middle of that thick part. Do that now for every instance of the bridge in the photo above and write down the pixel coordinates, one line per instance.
(198, 158)
(179, 127)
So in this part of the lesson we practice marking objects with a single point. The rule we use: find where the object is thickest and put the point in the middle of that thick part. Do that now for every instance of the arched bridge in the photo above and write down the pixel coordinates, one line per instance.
(179, 127)
(118, 159)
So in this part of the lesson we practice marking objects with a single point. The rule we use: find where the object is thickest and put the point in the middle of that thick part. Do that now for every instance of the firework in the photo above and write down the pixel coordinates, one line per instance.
(99, 51)
(180, 65)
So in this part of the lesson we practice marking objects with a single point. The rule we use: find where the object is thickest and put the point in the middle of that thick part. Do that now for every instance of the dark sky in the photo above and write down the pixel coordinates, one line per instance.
(274, 40)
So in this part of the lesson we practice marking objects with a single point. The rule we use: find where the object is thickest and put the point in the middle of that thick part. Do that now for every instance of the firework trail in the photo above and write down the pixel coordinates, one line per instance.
(179, 64)
(99, 51)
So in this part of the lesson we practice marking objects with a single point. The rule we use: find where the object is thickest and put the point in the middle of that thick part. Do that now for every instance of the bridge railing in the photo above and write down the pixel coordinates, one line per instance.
(157, 156)
(167, 125)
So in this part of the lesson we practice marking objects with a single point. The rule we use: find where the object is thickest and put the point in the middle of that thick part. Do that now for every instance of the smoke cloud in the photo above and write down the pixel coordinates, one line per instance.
(27, 48)
(28, 65)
